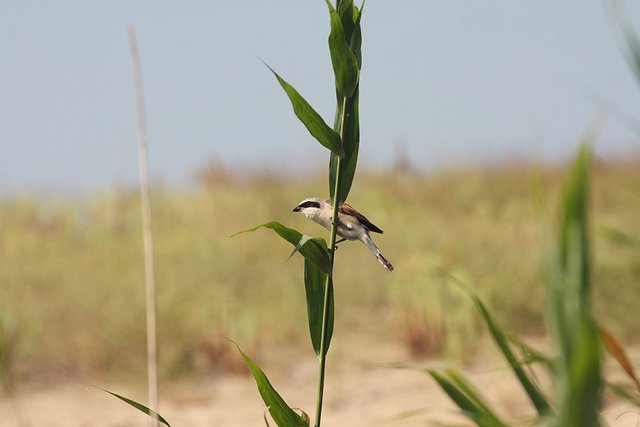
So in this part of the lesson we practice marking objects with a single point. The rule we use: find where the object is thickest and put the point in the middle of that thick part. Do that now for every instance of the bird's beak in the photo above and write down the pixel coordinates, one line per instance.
(297, 209)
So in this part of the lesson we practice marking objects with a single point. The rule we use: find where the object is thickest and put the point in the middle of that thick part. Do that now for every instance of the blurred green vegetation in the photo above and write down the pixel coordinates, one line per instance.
(71, 270)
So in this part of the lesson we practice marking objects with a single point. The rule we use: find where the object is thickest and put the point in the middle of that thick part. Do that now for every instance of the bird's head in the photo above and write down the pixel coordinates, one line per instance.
(309, 207)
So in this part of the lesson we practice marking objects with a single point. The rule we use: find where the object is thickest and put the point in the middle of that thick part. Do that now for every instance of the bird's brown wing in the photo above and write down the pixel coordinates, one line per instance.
(348, 210)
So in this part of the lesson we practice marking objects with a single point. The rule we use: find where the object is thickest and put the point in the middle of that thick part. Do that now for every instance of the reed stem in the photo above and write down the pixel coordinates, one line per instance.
(328, 289)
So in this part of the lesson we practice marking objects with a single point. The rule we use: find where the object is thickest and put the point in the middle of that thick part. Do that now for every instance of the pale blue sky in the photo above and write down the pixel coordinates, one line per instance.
(453, 81)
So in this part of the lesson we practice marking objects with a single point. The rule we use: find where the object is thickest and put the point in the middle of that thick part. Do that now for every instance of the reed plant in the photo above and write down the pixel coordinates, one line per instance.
(579, 340)
(342, 141)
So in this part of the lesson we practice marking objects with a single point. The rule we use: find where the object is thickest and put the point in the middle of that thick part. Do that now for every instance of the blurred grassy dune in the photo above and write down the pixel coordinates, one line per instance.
(71, 271)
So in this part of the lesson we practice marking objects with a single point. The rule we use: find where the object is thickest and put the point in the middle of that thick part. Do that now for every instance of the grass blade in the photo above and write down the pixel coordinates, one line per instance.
(345, 64)
(314, 123)
(140, 407)
(281, 413)
(501, 338)
(313, 249)
(465, 386)
(578, 368)
(574, 241)
(315, 281)
(467, 399)
(620, 237)
(630, 39)
(467, 406)
(625, 392)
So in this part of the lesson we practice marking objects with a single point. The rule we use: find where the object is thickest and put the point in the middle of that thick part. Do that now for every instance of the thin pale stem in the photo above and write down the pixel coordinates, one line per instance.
(329, 282)
(145, 199)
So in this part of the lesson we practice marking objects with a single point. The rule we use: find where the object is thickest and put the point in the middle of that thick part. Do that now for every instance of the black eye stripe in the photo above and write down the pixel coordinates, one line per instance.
(310, 204)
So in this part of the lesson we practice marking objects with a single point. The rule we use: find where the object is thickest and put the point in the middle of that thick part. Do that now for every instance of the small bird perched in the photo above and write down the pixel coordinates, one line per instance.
(352, 225)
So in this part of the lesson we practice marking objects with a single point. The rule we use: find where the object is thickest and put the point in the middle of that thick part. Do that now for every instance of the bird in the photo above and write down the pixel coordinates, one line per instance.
(352, 225)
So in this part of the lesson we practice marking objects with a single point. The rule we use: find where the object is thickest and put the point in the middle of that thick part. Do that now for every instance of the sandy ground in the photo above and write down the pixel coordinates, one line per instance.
(358, 394)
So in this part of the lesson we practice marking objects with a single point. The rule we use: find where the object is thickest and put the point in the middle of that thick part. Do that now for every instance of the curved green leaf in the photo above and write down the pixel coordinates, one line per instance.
(281, 413)
(501, 337)
(467, 398)
(140, 407)
(310, 118)
(313, 249)
(345, 65)
(315, 281)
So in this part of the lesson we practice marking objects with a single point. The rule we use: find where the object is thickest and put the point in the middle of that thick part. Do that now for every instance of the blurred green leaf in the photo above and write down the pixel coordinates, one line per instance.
(624, 391)
(629, 38)
(502, 340)
(281, 413)
(311, 119)
(345, 65)
(620, 237)
(466, 398)
(313, 249)
(500, 337)
(530, 354)
(140, 407)
(458, 397)
(474, 395)
(574, 226)
(315, 281)
(578, 368)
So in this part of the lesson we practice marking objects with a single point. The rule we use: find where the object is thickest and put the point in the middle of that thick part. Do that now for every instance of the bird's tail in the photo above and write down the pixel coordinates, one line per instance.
(374, 250)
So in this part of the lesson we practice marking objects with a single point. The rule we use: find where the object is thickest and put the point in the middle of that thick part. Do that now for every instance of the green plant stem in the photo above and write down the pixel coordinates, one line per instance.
(329, 282)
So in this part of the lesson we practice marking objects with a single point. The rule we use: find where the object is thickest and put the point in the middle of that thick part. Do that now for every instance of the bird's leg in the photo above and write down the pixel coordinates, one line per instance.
(335, 248)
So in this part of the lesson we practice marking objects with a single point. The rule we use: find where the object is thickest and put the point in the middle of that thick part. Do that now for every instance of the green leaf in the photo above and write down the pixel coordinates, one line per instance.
(347, 13)
(351, 136)
(620, 237)
(500, 337)
(578, 368)
(356, 38)
(281, 413)
(311, 119)
(140, 407)
(631, 42)
(458, 397)
(488, 415)
(468, 399)
(345, 64)
(574, 219)
(502, 340)
(315, 281)
(313, 249)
